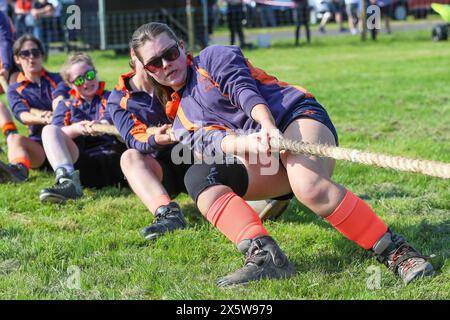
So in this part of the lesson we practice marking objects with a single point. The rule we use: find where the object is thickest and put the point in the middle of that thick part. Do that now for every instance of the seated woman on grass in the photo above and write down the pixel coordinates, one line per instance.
(147, 164)
(77, 154)
(30, 99)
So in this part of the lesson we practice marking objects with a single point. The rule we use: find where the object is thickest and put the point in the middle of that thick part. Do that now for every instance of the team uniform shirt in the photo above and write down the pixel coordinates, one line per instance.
(6, 42)
(221, 90)
(24, 95)
(62, 89)
(132, 112)
(76, 109)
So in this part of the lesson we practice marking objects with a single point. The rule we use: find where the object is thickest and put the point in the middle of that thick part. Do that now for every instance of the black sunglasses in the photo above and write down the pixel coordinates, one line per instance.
(170, 54)
(28, 53)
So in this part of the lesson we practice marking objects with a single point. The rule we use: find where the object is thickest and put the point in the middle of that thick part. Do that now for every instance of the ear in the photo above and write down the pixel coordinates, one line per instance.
(16, 60)
(132, 53)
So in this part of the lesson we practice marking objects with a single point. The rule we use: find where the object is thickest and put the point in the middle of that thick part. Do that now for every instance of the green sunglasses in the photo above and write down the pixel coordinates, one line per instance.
(90, 75)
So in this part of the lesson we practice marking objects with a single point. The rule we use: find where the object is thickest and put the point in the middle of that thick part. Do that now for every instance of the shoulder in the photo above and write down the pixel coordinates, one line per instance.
(115, 96)
(217, 50)
(54, 76)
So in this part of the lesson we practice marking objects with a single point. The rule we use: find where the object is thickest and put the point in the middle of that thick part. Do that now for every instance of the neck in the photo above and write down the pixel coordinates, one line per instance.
(140, 84)
(34, 77)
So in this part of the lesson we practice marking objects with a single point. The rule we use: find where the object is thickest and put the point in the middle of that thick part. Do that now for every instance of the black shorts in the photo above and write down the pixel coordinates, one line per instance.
(308, 108)
(100, 170)
(173, 174)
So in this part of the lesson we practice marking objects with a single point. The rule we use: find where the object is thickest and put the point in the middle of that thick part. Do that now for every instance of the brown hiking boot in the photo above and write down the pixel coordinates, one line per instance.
(401, 258)
(264, 260)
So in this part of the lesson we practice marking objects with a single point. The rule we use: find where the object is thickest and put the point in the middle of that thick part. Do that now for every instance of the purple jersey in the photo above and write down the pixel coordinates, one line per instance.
(76, 109)
(221, 90)
(132, 112)
(25, 94)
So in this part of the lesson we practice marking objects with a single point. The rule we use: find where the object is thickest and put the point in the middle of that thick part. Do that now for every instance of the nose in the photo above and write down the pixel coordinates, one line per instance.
(165, 63)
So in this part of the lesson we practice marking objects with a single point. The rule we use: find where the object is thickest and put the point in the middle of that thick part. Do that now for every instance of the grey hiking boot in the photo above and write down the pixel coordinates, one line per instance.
(13, 172)
(269, 209)
(167, 219)
(401, 258)
(67, 186)
(264, 259)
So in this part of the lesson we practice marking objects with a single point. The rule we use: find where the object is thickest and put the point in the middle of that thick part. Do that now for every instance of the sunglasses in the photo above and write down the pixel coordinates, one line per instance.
(90, 75)
(170, 54)
(36, 53)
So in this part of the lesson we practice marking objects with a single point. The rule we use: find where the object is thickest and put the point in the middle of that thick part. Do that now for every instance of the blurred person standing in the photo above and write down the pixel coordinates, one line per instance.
(22, 10)
(301, 12)
(42, 13)
(385, 10)
(353, 9)
(235, 14)
(334, 8)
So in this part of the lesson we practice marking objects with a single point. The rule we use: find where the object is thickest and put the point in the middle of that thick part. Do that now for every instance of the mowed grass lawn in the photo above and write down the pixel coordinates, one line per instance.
(392, 96)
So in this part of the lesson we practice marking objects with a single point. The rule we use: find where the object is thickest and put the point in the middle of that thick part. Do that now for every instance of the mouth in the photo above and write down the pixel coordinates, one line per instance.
(171, 73)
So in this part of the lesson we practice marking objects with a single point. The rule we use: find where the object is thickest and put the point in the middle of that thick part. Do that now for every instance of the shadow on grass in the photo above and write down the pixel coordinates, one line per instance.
(428, 238)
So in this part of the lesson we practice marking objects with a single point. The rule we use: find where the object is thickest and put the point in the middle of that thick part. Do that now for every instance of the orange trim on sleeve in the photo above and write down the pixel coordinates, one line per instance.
(261, 76)
(139, 132)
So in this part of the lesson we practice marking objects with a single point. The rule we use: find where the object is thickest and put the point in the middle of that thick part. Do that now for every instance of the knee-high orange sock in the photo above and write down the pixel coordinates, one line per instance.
(235, 218)
(357, 221)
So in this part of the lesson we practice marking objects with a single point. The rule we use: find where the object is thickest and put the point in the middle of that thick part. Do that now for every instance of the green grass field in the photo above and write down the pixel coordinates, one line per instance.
(392, 96)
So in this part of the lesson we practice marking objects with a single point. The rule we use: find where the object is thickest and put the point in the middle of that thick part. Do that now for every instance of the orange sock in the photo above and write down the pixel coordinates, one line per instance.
(159, 201)
(9, 127)
(22, 160)
(357, 221)
(235, 218)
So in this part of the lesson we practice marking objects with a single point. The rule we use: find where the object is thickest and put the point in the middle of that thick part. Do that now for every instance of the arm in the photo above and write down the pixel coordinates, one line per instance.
(23, 112)
(36, 116)
(132, 131)
(229, 70)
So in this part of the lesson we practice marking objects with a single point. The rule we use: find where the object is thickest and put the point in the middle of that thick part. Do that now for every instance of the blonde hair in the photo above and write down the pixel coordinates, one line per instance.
(149, 32)
(73, 59)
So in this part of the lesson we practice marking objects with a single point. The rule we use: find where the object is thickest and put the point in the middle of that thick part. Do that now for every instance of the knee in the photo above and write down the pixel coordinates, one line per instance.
(129, 157)
(310, 192)
(49, 131)
(15, 140)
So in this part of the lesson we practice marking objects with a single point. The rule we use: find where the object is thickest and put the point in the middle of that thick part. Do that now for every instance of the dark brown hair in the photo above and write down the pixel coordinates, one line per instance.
(149, 32)
(18, 44)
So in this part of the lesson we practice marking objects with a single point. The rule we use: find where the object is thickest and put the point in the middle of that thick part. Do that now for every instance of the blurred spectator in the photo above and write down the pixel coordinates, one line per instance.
(267, 15)
(235, 14)
(302, 18)
(23, 22)
(42, 13)
(57, 30)
(334, 8)
(386, 10)
(353, 9)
